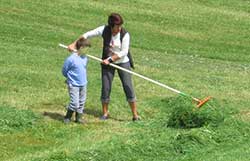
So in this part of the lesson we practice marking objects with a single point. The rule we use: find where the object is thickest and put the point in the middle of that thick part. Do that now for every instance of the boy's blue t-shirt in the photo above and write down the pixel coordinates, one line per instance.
(74, 69)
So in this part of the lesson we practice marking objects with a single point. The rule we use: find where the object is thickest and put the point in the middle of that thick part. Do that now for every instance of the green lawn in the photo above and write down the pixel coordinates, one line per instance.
(200, 47)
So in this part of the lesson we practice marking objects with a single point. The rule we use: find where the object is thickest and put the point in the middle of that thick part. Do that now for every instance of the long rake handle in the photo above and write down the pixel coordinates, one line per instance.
(138, 75)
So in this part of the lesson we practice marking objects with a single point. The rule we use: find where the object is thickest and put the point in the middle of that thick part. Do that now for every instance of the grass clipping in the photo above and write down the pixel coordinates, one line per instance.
(12, 119)
(185, 114)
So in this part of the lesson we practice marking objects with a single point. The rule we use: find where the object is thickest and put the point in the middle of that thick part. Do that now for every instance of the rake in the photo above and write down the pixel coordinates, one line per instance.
(199, 102)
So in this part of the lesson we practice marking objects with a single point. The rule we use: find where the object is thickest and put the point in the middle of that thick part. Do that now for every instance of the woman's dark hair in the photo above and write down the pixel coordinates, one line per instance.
(82, 43)
(115, 19)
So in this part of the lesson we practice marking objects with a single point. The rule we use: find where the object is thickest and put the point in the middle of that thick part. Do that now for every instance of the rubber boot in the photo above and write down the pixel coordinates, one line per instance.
(79, 118)
(68, 116)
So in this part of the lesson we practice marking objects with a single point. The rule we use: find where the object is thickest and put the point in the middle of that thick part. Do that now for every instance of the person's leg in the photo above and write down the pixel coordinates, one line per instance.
(133, 109)
(82, 100)
(128, 89)
(107, 78)
(105, 111)
(74, 103)
(68, 116)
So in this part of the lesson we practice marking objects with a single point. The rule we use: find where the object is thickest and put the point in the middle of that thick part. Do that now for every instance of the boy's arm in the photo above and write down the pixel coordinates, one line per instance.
(66, 67)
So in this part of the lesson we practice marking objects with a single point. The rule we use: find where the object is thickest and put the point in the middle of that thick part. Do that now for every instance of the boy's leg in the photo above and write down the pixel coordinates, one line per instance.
(68, 116)
(74, 102)
(82, 100)
(79, 118)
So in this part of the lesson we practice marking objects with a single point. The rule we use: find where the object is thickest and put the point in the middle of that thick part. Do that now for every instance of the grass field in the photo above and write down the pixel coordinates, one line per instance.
(200, 47)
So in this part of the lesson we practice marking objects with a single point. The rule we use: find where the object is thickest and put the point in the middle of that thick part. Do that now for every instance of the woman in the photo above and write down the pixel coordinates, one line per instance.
(115, 50)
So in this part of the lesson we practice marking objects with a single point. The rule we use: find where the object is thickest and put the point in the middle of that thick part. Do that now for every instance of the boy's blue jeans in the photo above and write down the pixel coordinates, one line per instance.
(77, 98)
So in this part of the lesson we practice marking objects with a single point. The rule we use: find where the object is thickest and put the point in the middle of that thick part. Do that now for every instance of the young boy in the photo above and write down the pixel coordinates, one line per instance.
(74, 69)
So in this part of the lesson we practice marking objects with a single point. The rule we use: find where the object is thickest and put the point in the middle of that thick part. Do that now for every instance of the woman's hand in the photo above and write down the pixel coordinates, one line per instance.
(71, 47)
(106, 61)
(110, 59)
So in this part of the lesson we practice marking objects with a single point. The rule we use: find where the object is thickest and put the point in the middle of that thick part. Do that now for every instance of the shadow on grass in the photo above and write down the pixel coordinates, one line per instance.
(93, 112)
(54, 115)
(97, 113)
(117, 119)
(89, 111)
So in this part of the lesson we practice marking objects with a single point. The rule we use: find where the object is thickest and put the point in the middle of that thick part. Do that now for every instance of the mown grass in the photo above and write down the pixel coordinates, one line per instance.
(199, 47)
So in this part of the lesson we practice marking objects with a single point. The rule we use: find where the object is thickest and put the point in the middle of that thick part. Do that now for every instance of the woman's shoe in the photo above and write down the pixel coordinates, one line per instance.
(104, 117)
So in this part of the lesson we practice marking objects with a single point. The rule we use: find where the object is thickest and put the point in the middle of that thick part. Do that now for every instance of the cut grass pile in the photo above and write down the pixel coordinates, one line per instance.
(12, 119)
(185, 114)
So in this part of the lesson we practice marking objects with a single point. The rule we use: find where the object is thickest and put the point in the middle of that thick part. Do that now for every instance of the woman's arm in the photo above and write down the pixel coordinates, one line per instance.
(92, 33)
(124, 46)
(118, 54)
